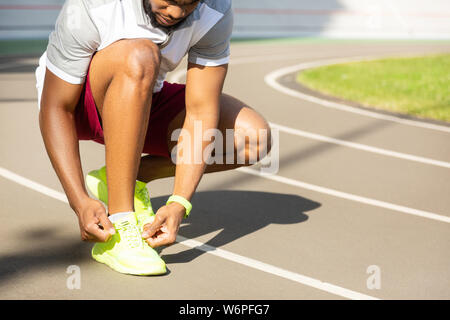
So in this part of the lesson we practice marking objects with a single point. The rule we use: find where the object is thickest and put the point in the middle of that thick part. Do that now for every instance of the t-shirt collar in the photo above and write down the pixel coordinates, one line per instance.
(141, 16)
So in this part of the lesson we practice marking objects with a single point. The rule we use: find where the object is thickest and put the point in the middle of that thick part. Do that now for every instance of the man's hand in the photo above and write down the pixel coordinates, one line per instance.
(164, 229)
(91, 215)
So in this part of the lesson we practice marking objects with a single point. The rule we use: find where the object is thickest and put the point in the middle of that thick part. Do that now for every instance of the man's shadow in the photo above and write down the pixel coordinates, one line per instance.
(236, 214)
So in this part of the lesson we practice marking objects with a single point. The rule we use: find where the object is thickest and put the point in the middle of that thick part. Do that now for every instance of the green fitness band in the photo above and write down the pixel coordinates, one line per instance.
(181, 200)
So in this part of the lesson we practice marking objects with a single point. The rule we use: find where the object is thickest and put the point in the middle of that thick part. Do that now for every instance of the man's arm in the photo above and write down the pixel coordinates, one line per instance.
(203, 90)
(68, 55)
(56, 119)
(207, 68)
(57, 123)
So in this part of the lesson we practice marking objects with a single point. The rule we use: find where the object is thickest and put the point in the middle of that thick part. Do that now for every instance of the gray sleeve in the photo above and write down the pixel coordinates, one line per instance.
(72, 43)
(214, 48)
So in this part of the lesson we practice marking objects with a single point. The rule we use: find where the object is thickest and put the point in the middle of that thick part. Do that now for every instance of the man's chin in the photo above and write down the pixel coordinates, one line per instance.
(156, 23)
(154, 20)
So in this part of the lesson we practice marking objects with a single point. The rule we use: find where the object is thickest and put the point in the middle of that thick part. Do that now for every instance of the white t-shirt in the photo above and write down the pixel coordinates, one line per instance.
(86, 26)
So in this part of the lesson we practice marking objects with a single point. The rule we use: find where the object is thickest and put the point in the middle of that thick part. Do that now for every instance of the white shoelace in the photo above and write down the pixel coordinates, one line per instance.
(130, 233)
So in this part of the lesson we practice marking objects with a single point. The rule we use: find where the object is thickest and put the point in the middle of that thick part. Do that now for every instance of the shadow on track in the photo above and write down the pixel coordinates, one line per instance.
(35, 258)
(236, 214)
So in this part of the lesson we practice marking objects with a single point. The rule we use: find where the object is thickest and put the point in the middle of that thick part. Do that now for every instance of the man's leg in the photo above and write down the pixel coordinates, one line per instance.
(122, 77)
(235, 115)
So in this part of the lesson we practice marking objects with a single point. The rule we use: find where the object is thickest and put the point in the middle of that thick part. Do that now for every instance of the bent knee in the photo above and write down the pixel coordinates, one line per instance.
(256, 130)
(141, 60)
(264, 138)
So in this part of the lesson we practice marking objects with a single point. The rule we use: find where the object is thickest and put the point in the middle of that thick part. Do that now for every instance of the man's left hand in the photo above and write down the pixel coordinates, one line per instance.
(164, 229)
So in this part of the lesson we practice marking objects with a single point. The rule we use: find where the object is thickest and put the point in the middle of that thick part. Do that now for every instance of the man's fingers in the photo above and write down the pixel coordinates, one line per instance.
(98, 234)
(85, 236)
(150, 230)
(161, 240)
(106, 224)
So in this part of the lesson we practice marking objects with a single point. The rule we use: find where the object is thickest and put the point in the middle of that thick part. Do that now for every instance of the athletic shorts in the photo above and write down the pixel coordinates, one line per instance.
(166, 104)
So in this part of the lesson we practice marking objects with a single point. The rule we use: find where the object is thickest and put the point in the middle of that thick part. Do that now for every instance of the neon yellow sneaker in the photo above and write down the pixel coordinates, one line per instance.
(97, 184)
(126, 253)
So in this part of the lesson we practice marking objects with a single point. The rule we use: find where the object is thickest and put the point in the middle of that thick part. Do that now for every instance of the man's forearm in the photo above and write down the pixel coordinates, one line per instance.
(190, 169)
(203, 90)
(61, 142)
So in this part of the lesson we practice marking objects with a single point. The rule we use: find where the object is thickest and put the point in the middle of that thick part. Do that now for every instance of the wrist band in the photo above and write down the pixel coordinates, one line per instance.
(181, 200)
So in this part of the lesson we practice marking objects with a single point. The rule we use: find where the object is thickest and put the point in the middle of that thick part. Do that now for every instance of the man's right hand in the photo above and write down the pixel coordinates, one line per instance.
(94, 223)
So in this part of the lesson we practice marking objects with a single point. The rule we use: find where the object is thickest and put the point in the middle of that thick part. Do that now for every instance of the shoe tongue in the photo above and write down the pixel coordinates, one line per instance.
(128, 219)
(129, 231)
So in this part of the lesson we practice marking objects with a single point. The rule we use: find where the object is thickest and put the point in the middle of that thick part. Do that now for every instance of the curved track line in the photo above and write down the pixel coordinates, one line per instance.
(178, 75)
(272, 77)
(255, 264)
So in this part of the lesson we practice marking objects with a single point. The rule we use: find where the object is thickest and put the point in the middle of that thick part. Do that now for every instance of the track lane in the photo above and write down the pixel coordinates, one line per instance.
(336, 242)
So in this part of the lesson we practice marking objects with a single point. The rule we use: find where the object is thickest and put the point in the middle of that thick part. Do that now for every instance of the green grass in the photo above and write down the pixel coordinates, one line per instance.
(22, 47)
(417, 86)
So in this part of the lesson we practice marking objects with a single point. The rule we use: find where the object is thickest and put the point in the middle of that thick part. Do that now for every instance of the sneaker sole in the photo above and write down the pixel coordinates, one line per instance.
(110, 262)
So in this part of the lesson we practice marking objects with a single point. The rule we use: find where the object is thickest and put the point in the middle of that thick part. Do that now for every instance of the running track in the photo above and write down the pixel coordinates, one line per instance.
(355, 189)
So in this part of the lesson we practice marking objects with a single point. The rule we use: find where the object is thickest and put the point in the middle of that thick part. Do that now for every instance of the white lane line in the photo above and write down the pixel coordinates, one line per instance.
(19, 63)
(359, 146)
(271, 79)
(10, 65)
(33, 185)
(348, 196)
(255, 264)
(178, 75)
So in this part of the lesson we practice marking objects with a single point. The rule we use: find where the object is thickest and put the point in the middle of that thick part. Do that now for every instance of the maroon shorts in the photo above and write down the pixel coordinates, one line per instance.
(166, 105)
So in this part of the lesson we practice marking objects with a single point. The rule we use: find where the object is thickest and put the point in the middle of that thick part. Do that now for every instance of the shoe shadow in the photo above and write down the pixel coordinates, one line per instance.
(235, 214)
(40, 253)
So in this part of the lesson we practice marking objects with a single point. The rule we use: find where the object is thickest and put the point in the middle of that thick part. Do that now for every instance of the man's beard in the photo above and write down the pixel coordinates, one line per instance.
(152, 16)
